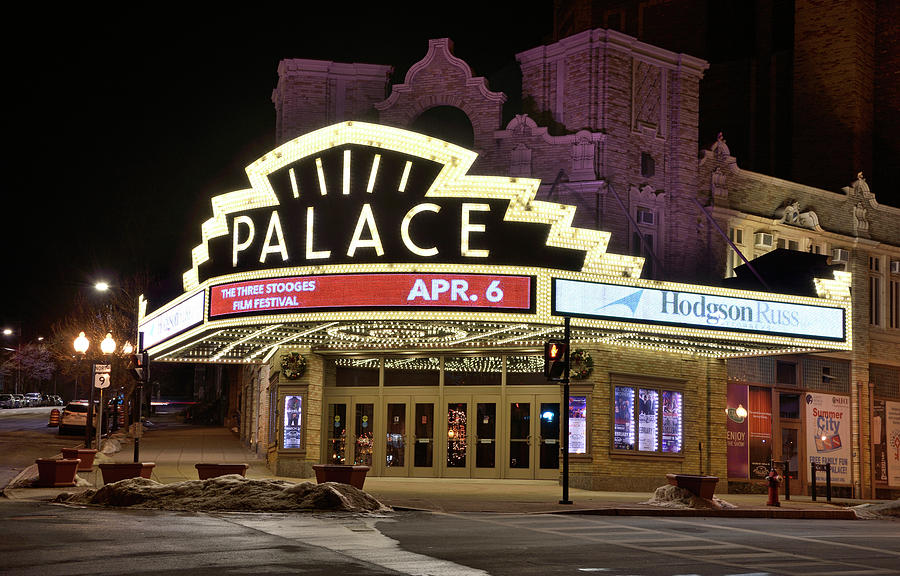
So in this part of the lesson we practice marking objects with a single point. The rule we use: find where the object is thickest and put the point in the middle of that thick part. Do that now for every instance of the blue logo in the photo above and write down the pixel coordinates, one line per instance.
(631, 301)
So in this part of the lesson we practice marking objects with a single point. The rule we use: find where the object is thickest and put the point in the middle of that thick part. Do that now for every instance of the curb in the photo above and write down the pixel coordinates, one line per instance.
(733, 513)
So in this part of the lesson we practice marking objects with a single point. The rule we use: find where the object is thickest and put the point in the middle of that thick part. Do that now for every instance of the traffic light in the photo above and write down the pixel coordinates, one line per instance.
(556, 359)
(140, 366)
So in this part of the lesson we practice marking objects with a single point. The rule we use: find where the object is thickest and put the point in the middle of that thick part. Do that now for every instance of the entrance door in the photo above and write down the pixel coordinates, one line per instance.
(396, 448)
(790, 452)
(534, 437)
(362, 445)
(487, 448)
(409, 448)
(336, 433)
(456, 441)
(424, 459)
(548, 447)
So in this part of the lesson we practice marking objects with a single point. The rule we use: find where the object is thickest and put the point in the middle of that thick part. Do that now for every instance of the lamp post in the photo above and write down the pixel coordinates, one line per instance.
(17, 351)
(107, 346)
(81, 345)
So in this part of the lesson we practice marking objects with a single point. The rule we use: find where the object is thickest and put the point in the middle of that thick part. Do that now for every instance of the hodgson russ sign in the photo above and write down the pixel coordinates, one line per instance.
(361, 221)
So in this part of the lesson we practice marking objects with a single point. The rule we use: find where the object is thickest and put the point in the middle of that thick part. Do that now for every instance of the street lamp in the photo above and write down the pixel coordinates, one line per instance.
(81, 345)
(17, 351)
(107, 346)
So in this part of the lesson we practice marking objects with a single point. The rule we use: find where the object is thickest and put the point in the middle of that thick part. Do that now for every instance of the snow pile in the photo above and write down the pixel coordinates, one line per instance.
(880, 510)
(232, 492)
(669, 496)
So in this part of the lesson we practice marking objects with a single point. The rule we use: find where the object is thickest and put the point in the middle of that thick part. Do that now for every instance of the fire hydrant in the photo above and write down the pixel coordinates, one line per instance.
(774, 481)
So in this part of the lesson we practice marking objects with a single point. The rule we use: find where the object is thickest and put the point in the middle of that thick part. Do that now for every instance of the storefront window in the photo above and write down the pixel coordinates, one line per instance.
(473, 371)
(525, 371)
(357, 371)
(412, 371)
(645, 427)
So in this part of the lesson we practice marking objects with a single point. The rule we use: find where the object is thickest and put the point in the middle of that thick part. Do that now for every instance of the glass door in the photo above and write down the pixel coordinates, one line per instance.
(486, 428)
(396, 459)
(336, 434)
(790, 452)
(424, 458)
(363, 434)
(519, 458)
(456, 454)
(548, 446)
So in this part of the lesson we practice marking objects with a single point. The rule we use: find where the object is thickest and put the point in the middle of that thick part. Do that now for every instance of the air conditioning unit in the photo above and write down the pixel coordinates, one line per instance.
(645, 217)
(763, 240)
(840, 255)
(895, 266)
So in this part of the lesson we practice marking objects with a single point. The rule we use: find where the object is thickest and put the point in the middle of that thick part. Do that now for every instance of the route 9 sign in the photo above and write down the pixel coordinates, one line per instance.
(101, 375)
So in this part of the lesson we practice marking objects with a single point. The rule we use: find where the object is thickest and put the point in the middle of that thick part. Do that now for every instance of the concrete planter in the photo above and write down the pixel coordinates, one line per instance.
(702, 486)
(86, 455)
(54, 473)
(343, 474)
(205, 471)
(115, 471)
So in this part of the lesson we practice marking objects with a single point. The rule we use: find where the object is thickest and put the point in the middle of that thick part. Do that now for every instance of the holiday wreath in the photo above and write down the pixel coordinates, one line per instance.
(293, 365)
(580, 364)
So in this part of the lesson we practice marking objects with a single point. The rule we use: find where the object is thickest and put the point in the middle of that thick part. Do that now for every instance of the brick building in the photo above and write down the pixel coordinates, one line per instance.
(610, 126)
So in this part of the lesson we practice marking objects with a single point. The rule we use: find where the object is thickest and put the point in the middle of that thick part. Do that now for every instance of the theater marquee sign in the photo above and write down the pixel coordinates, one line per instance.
(360, 225)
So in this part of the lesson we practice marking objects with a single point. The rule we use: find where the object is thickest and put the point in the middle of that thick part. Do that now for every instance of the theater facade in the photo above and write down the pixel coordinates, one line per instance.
(389, 306)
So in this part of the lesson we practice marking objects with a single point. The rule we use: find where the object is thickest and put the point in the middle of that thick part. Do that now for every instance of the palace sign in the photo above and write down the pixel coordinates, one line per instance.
(358, 193)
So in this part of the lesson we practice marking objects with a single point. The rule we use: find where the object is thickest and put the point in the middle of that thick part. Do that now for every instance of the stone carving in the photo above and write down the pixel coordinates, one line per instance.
(718, 182)
(720, 148)
(791, 214)
(860, 223)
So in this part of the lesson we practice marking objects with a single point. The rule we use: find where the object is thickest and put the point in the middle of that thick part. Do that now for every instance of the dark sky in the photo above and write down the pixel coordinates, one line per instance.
(118, 134)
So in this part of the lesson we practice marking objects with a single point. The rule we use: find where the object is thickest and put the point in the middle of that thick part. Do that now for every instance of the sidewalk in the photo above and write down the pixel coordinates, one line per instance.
(177, 448)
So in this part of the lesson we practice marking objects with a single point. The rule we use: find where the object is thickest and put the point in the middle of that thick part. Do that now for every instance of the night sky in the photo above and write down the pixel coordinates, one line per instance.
(117, 135)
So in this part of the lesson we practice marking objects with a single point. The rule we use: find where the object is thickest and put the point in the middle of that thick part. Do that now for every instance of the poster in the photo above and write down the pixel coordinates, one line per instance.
(736, 431)
(623, 429)
(892, 435)
(671, 422)
(879, 443)
(828, 434)
(648, 420)
(577, 424)
(760, 431)
(291, 437)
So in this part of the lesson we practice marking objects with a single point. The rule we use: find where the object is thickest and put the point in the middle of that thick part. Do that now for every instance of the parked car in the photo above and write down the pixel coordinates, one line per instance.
(74, 418)
(7, 401)
(33, 399)
(56, 400)
(20, 400)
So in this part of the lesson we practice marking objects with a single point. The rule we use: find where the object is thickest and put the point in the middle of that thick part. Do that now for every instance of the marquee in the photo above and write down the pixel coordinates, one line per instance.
(360, 237)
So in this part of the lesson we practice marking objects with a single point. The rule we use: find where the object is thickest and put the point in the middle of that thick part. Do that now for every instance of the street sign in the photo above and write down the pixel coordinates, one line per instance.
(102, 368)
(101, 380)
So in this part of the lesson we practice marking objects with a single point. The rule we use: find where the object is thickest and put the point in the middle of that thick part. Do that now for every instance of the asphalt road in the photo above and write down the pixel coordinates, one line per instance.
(49, 539)
(25, 436)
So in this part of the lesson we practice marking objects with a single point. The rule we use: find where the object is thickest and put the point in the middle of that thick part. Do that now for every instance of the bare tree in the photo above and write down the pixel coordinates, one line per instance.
(115, 315)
